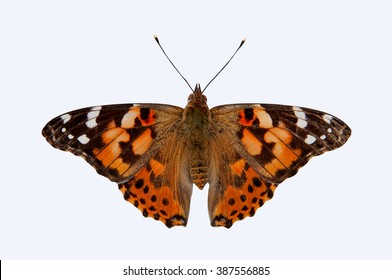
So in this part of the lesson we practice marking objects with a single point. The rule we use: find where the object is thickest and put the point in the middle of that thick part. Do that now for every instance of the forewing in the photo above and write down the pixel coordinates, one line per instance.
(117, 140)
(277, 140)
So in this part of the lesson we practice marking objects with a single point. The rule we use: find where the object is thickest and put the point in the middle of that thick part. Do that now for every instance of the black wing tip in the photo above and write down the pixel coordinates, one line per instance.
(345, 135)
(176, 220)
(221, 221)
(48, 133)
(343, 132)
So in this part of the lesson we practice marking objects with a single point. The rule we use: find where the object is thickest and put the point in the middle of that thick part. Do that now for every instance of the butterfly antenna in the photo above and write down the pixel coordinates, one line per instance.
(159, 44)
(224, 66)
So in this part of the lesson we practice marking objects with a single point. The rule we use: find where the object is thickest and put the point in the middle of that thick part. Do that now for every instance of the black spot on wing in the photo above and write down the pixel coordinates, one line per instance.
(249, 114)
(144, 113)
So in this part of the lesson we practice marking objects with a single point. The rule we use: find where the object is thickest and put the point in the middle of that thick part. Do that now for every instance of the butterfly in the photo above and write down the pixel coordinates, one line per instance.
(156, 152)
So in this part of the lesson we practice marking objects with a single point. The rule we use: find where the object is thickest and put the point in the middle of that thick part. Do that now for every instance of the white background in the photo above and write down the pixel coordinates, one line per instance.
(57, 56)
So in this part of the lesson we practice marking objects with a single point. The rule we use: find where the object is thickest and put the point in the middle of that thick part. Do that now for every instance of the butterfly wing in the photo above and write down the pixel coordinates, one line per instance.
(270, 143)
(128, 144)
(236, 189)
(117, 140)
(162, 189)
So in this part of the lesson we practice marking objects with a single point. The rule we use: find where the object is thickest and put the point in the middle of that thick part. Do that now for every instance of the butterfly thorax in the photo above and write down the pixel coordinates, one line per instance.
(195, 121)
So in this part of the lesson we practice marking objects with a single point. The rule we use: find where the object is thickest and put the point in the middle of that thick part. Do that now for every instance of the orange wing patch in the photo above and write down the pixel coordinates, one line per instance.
(110, 154)
(284, 155)
(243, 198)
(238, 166)
(149, 193)
(142, 143)
(251, 143)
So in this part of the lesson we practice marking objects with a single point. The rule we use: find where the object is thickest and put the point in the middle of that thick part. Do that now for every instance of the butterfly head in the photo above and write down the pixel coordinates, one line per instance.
(197, 95)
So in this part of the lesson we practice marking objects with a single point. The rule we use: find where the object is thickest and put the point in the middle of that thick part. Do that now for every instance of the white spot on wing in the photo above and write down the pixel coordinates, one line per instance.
(70, 136)
(65, 118)
(63, 129)
(327, 118)
(301, 122)
(91, 123)
(128, 120)
(329, 130)
(83, 139)
(92, 116)
(310, 139)
(322, 137)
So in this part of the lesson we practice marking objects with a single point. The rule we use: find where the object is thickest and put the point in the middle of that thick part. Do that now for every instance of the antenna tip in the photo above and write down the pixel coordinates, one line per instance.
(156, 38)
(242, 42)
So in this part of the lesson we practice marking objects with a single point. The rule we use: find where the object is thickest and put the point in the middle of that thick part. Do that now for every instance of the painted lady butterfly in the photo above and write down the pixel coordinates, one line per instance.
(156, 152)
